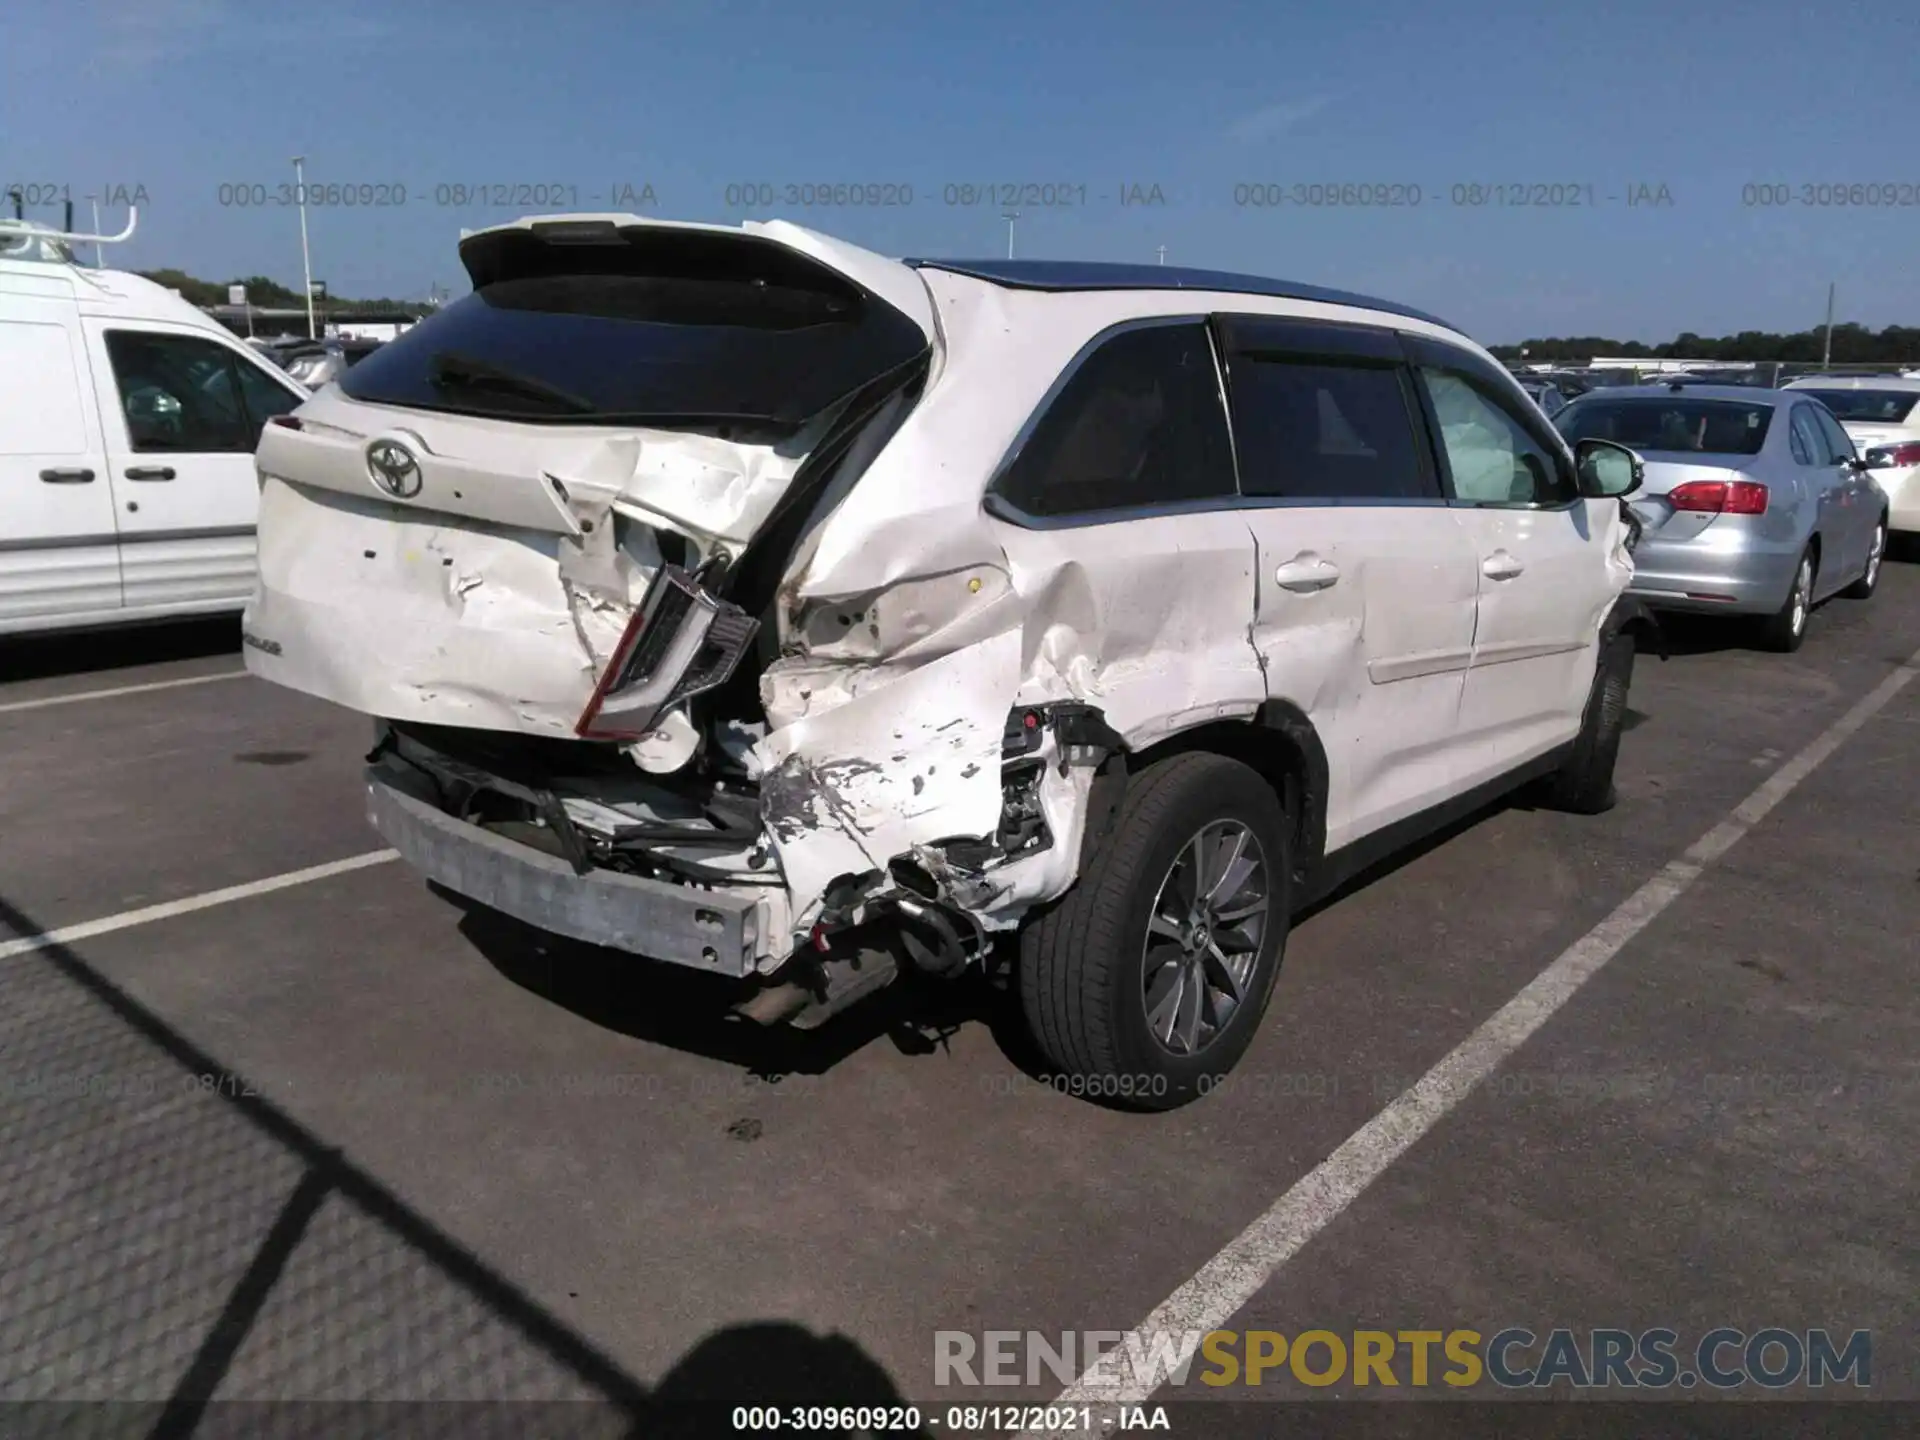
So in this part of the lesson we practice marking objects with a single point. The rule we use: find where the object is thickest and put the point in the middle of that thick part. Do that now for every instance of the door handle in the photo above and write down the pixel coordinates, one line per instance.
(150, 472)
(1305, 573)
(67, 477)
(1500, 566)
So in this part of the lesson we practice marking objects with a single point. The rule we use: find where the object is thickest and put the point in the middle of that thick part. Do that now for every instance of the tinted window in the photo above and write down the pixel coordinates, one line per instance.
(179, 394)
(1139, 423)
(1306, 429)
(1885, 407)
(265, 396)
(642, 348)
(1806, 445)
(1839, 447)
(1490, 456)
(1809, 446)
(1718, 427)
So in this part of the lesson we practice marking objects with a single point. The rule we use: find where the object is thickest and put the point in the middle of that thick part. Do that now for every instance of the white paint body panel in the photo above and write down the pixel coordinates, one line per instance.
(58, 552)
(911, 620)
(81, 554)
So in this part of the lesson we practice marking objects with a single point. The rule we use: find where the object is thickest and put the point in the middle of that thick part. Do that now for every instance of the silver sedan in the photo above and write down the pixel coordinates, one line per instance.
(1754, 503)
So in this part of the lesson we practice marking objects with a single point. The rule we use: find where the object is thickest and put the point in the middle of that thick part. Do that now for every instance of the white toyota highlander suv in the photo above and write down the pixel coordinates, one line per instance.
(746, 600)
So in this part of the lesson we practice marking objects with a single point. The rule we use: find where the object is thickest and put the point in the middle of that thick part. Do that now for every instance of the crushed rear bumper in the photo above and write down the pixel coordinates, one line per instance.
(707, 929)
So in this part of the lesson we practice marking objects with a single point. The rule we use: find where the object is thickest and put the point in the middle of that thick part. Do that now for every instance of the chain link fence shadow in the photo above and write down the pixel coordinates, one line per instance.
(179, 1257)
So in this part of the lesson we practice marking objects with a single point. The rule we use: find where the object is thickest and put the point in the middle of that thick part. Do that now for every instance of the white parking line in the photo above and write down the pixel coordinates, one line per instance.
(48, 701)
(166, 910)
(1234, 1276)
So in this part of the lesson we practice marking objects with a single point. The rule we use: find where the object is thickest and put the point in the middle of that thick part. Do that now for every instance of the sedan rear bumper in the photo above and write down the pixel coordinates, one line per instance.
(1726, 568)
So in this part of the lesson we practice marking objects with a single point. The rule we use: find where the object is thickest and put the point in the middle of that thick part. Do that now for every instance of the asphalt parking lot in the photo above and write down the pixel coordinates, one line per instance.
(334, 1139)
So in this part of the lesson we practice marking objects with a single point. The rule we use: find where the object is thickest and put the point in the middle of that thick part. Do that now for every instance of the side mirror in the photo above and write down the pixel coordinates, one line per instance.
(1607, 470)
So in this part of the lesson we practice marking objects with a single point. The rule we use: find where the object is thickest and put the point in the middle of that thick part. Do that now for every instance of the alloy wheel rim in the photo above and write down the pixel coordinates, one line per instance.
(1873, 555)
(1204, 933)
(1802, 584)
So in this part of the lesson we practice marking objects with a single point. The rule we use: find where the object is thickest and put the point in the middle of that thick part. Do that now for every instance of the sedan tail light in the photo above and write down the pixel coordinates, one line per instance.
(1720, 497)
(1894, 457)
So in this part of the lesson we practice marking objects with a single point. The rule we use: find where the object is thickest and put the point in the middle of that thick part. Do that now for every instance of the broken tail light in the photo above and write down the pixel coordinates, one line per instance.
(681, 642)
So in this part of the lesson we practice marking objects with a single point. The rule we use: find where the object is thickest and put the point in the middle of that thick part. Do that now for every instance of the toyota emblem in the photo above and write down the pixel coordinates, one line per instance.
(394, 469)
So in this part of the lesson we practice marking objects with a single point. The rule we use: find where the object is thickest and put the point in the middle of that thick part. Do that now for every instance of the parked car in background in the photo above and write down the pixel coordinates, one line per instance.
(1570, 383)
(128, 420)
(1881, 413)
(1548, 396)
(316, 362)
(719, 604)
(1754, 501)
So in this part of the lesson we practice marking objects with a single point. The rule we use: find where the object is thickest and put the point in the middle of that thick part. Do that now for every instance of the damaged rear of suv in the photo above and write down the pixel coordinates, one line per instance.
(720, 592)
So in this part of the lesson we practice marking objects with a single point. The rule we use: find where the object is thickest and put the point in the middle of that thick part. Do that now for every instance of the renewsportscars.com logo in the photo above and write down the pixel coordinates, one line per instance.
(1724, 1358)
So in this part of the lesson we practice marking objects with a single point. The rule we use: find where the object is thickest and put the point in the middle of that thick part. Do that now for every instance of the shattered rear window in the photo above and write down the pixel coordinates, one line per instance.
(614, 348)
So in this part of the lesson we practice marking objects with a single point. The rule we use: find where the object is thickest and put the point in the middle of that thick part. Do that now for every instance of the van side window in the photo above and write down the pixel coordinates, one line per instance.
(1324, 430)
(179, 394)
(1139, 423)
(265, 396)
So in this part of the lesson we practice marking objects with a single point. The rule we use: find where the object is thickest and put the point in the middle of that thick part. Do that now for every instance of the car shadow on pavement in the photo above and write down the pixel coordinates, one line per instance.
(184, 1258)
(682, 1009)
(1688, 634)
(44, 657)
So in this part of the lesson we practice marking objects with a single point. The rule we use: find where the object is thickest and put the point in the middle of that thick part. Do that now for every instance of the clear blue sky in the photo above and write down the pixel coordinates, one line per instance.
(1702, 96)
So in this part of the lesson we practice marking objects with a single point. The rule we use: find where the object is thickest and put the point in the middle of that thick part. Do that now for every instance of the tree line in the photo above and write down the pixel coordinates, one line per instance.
(1852, 345)
(268, 294)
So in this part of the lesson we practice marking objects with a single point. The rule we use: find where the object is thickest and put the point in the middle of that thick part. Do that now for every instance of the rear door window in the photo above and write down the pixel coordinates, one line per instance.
(1839, 444)
(1137, 423)
(1319, 429)
(1809, 445)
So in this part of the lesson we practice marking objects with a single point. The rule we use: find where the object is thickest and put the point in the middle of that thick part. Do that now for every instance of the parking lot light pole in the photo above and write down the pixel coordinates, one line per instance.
(306, 260)
(1826, 350)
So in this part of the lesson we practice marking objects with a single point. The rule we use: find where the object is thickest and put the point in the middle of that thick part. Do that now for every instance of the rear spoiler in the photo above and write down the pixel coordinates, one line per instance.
(774, 251)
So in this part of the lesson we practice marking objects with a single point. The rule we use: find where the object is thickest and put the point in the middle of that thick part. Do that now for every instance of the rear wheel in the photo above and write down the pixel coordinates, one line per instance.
(1787, 626)
(1869, 581)
(1145, 982)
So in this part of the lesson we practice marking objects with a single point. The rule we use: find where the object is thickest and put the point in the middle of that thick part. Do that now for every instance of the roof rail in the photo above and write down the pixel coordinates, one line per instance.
(17, 226)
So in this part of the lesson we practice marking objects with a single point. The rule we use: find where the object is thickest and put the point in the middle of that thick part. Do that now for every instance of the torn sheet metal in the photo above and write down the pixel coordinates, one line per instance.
(899, 764)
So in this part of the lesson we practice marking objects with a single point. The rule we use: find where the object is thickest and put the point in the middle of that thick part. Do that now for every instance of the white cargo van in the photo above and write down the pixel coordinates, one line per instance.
(128, 421)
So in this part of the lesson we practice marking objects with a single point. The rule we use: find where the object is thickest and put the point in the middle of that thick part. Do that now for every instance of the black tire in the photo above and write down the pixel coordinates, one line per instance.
(1783, 630)
(1083, 966)
(1584, 785)
(1869, 581)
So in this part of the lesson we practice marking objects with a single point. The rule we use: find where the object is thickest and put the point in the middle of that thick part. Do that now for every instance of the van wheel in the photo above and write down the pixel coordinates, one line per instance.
(1145, 982)
(1787, 627)
(1584, 785)
(1869, 581)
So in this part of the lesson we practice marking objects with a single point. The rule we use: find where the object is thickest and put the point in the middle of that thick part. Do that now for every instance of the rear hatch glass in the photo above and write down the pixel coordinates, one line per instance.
(641, 326)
